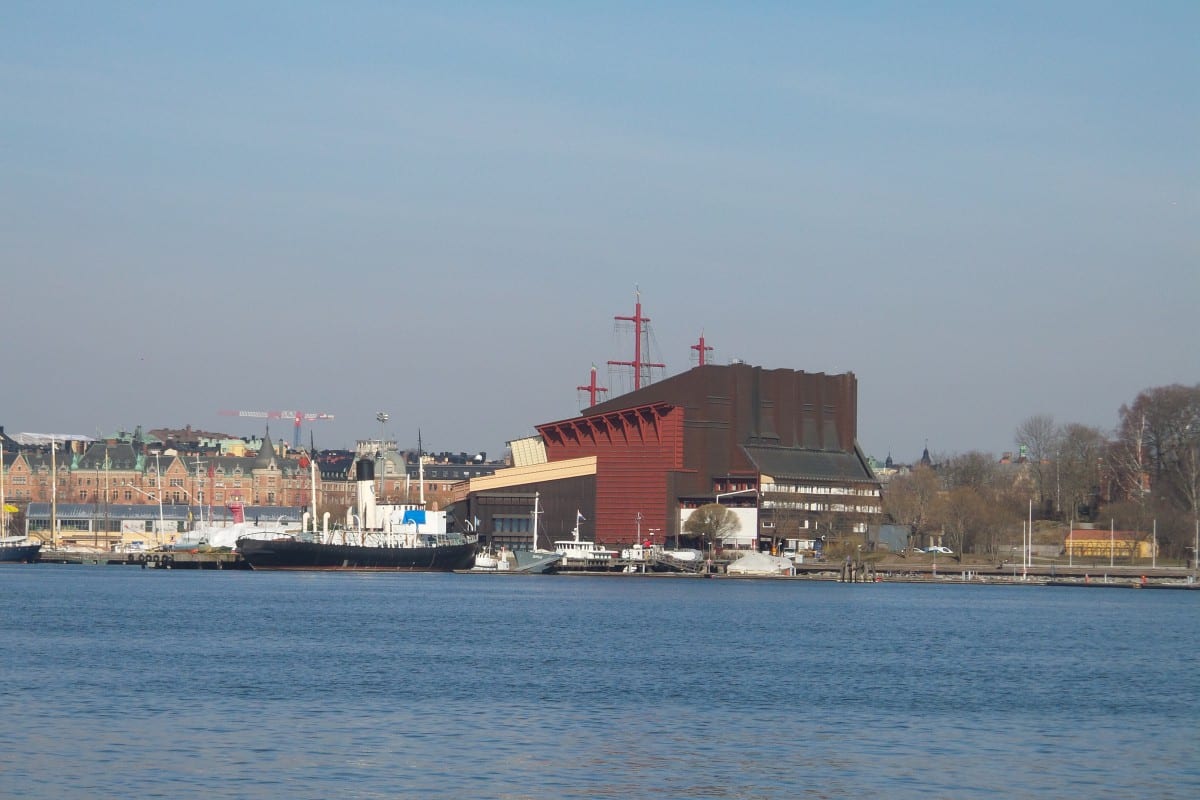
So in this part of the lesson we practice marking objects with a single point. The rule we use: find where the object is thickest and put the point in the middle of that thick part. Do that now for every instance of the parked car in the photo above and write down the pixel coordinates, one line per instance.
(936, 549)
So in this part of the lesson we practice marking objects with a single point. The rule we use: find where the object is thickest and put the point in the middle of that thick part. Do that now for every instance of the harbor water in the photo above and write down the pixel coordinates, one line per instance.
(119, 682)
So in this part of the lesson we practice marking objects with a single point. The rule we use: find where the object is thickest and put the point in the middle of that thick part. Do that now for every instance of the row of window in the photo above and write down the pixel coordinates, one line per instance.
(811, 506)
(787, 488)
(511, 524)
(173, 497)
(114, 525)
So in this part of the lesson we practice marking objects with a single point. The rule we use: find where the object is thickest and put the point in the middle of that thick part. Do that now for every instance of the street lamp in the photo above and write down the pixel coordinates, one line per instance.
(730, 494)
(382, 418)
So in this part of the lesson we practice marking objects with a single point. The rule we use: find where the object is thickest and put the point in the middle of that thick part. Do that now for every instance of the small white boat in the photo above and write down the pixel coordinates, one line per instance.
(530, 562)
(579, 554)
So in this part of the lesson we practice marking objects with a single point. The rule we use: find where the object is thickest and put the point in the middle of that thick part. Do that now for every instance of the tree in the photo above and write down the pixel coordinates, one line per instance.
(1158, 454)
(712, 522)
(909, 500)
(964, 515)
(975, 469)
(1038, 439)
(785, 522)
(1077, 468)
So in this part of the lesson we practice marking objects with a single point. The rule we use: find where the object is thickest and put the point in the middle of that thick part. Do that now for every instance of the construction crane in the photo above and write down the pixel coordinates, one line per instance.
(297, 416)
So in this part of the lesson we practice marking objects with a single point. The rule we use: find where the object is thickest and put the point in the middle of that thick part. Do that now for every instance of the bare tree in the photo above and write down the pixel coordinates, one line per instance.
(1038, 438)
(975, 469)
(1160, 454)
(785, 522)
(961, 513)
(1077, 468)
(909, 500)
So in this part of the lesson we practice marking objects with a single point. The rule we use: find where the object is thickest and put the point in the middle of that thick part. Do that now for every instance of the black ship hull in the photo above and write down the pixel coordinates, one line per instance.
(293, 554)
(21, 553)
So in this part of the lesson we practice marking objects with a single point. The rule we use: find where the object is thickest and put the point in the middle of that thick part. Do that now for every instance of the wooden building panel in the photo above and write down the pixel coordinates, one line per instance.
(636, 449)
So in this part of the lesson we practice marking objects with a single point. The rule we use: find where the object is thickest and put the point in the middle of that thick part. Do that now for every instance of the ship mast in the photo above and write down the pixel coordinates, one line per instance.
(53, 497)
(592, 389)
(703, 349)
(420, 470)
(535, 515)
(4, 505)
(639, 332)
(312, 478)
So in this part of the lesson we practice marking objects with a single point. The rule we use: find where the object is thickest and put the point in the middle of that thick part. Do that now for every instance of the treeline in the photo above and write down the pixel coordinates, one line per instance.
(1141, 476)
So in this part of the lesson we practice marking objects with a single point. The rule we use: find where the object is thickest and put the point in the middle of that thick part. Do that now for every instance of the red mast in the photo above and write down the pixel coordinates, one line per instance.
(592, 389)
(701, 348)
(638, 365)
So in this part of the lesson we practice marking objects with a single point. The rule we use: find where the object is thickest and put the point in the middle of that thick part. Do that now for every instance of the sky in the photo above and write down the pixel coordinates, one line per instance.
(985, 211)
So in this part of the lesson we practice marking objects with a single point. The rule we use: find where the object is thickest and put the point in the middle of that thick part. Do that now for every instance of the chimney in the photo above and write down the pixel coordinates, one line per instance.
(365, 474)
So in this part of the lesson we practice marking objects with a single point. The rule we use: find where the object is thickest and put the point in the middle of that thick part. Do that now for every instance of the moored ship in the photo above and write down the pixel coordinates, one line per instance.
(20, 549)
(581, 555)
(378, 537)
(529, 562)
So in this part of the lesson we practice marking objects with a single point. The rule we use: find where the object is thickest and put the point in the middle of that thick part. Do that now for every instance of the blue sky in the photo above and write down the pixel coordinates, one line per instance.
(985, 211)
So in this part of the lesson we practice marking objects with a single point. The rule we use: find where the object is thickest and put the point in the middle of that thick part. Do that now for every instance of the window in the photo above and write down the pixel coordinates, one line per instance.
(510, 523)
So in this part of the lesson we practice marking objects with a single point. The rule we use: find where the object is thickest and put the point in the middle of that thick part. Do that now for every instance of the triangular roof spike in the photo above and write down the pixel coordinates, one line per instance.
(266, 453)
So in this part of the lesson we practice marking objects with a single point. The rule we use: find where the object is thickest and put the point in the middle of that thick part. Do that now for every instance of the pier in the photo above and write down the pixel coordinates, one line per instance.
(156, 559)
(654, 565)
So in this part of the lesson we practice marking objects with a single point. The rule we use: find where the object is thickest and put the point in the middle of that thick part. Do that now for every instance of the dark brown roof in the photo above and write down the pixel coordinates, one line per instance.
(795, 463)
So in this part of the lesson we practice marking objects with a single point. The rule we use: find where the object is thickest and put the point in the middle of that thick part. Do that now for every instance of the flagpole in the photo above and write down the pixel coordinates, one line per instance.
(1029, 552)
(3, 504)
(312, 463)
(53, 496)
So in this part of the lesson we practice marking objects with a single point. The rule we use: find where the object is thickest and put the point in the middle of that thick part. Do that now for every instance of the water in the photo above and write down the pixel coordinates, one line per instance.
(119, 682)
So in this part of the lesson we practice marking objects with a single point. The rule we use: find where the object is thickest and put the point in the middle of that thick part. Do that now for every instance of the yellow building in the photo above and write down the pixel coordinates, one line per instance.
(1110, 544)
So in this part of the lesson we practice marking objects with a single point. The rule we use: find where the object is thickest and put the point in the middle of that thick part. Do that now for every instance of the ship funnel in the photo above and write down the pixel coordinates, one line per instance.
(365, 472)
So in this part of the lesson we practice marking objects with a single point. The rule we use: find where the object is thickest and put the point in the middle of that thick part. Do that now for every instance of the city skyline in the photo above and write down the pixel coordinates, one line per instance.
(985, 213)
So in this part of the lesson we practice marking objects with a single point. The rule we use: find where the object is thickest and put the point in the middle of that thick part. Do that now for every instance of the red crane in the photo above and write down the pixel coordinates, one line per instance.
(297, 416)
